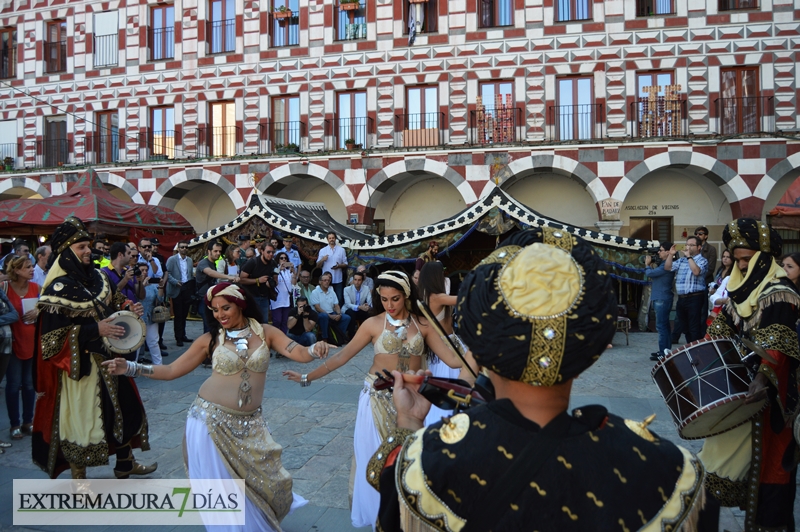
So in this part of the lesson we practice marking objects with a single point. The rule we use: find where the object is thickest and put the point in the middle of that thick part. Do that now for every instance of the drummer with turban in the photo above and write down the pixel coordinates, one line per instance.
(83, 414)
(536, 313)
(754, 465)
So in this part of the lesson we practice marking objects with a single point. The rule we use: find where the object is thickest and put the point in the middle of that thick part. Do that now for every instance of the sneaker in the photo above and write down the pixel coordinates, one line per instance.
(655, 356)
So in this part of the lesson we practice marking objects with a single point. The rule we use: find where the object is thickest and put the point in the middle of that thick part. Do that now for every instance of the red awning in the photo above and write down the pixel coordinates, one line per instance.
(101, 211)
(786, 214)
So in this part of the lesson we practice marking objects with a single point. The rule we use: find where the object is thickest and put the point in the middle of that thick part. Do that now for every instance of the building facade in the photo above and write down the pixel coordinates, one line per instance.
(642, 117)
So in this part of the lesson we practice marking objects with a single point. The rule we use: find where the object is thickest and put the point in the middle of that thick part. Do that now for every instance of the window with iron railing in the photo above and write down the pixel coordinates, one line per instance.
(351, 22)
(285, 23)
(421, 16)
(8, 53)
(661, 113)
(161, 137)
(576, 116)
(733, 5)
(351, 125)
(55, 47)
(53, 150)
(650, 8)
(162, 32)
(573, 10)
(106, 39)
(494, 13)
(222, 31)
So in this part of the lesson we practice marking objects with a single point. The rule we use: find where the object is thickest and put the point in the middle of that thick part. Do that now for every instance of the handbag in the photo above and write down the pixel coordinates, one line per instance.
(160, 313)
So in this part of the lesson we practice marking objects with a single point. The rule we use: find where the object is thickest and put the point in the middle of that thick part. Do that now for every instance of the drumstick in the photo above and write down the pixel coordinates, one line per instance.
(760, 351)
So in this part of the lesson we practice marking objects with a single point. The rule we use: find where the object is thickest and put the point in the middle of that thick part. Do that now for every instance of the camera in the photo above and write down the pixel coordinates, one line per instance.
(137, 272)
(653, 250)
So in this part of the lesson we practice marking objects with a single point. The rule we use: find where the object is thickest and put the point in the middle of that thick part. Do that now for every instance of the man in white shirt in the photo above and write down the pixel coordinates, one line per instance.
(357, 301)
(333, 260)
(325, 302)
(294, 255)
(154, 270)
(42, 255)
(180, 288)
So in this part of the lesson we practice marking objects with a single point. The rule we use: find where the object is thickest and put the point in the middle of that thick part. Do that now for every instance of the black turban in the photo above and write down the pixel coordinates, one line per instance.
(69, 232)
(749, 233)
(540, 309)
(72, 231)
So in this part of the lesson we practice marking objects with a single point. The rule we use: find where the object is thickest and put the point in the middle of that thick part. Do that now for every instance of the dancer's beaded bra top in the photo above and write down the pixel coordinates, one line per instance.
(227, 362)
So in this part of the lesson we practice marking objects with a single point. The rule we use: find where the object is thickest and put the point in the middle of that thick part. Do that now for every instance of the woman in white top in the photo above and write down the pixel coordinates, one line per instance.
(229, 264)
(434, 291)
(286, 277)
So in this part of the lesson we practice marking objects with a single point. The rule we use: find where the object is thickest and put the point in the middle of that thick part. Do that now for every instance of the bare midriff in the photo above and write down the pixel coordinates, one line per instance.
(224, 389)
(383, 361)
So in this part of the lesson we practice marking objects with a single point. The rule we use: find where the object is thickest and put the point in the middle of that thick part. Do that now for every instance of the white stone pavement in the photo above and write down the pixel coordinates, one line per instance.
(315, 427)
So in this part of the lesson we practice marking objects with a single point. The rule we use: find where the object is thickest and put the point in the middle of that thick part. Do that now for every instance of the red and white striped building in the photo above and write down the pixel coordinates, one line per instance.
(647, 117)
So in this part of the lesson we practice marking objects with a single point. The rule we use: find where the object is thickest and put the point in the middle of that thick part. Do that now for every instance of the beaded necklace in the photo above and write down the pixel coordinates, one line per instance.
(240, 339)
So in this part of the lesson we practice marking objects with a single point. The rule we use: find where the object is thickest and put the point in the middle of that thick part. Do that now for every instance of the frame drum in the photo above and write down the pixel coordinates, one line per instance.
(704, 384)
(132, 339)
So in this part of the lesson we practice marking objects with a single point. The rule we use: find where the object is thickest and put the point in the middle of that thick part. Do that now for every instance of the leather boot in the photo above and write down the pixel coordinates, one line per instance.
(137, 469)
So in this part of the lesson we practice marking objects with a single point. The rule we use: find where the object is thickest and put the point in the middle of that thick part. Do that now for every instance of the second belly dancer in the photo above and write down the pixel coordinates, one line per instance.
(399, 342)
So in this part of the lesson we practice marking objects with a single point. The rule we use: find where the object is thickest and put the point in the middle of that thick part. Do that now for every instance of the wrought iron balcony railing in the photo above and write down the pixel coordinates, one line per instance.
(495, 125)
(281, 137)
(659, 117)
(577, 122)
(223, 141)
(285, 29)
(340, 130)
(8, 62)
(47, 153)
(653, 8)
(352, 23)
(162, 43)
(55, 57)
(419, 130)
(106, 50)
(750, 114)
(222, 36)
(102, 148)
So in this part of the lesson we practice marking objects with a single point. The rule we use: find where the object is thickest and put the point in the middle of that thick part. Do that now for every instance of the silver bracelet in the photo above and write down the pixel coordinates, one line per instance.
(130, 371)
(144, 370)
(304, 380)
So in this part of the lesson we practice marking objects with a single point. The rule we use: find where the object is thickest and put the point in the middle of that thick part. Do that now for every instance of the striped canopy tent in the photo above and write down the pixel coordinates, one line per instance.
(101, 211)
(464, 238)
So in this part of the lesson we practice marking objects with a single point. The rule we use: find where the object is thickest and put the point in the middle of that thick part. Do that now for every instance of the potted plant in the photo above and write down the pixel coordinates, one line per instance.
(9, 163)
(282, 12)
(349, 5)
(287, 148)
(350, 144)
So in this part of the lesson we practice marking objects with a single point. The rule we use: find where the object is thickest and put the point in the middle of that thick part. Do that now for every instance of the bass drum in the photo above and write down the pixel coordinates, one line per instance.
(133, 337)
(705, 384)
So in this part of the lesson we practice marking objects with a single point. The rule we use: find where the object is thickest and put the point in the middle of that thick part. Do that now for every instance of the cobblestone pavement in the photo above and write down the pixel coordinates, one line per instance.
(315, 426)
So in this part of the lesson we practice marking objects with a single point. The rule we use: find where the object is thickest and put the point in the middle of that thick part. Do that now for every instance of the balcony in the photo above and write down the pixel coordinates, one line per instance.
(352, 22)
(9, 150)
(653, 8)
(281, 137)
(285, 28)
(338, 130)
(733, 5)
(577, 122)
(495, 13)
(222, 36)
(495, 125)
(47, 153)
(419, 130)
(573, 10)
(106, 51)
(223, 141)
(55, 57)
(8, 62)
(102, 148)
(162, 43)
(747, 115)
(157, 145)
(663, 116)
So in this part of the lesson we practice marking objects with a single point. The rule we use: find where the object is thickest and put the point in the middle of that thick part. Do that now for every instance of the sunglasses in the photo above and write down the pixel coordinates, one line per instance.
(282, 258)
(183, 247)
(147, 247)
(268, 252)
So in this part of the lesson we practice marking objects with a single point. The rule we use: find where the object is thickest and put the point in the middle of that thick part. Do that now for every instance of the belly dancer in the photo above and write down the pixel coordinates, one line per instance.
(226, 434)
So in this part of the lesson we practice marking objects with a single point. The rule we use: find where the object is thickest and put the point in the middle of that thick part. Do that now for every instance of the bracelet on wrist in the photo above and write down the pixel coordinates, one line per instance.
(304, 380)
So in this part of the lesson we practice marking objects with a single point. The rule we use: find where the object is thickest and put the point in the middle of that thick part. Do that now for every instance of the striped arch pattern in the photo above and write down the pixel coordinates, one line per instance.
(729, 181)
(24, 182)
(281, 177)
(775, 174)
(394, 173)
(195, 174)
(123, 184)
(557, 164)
